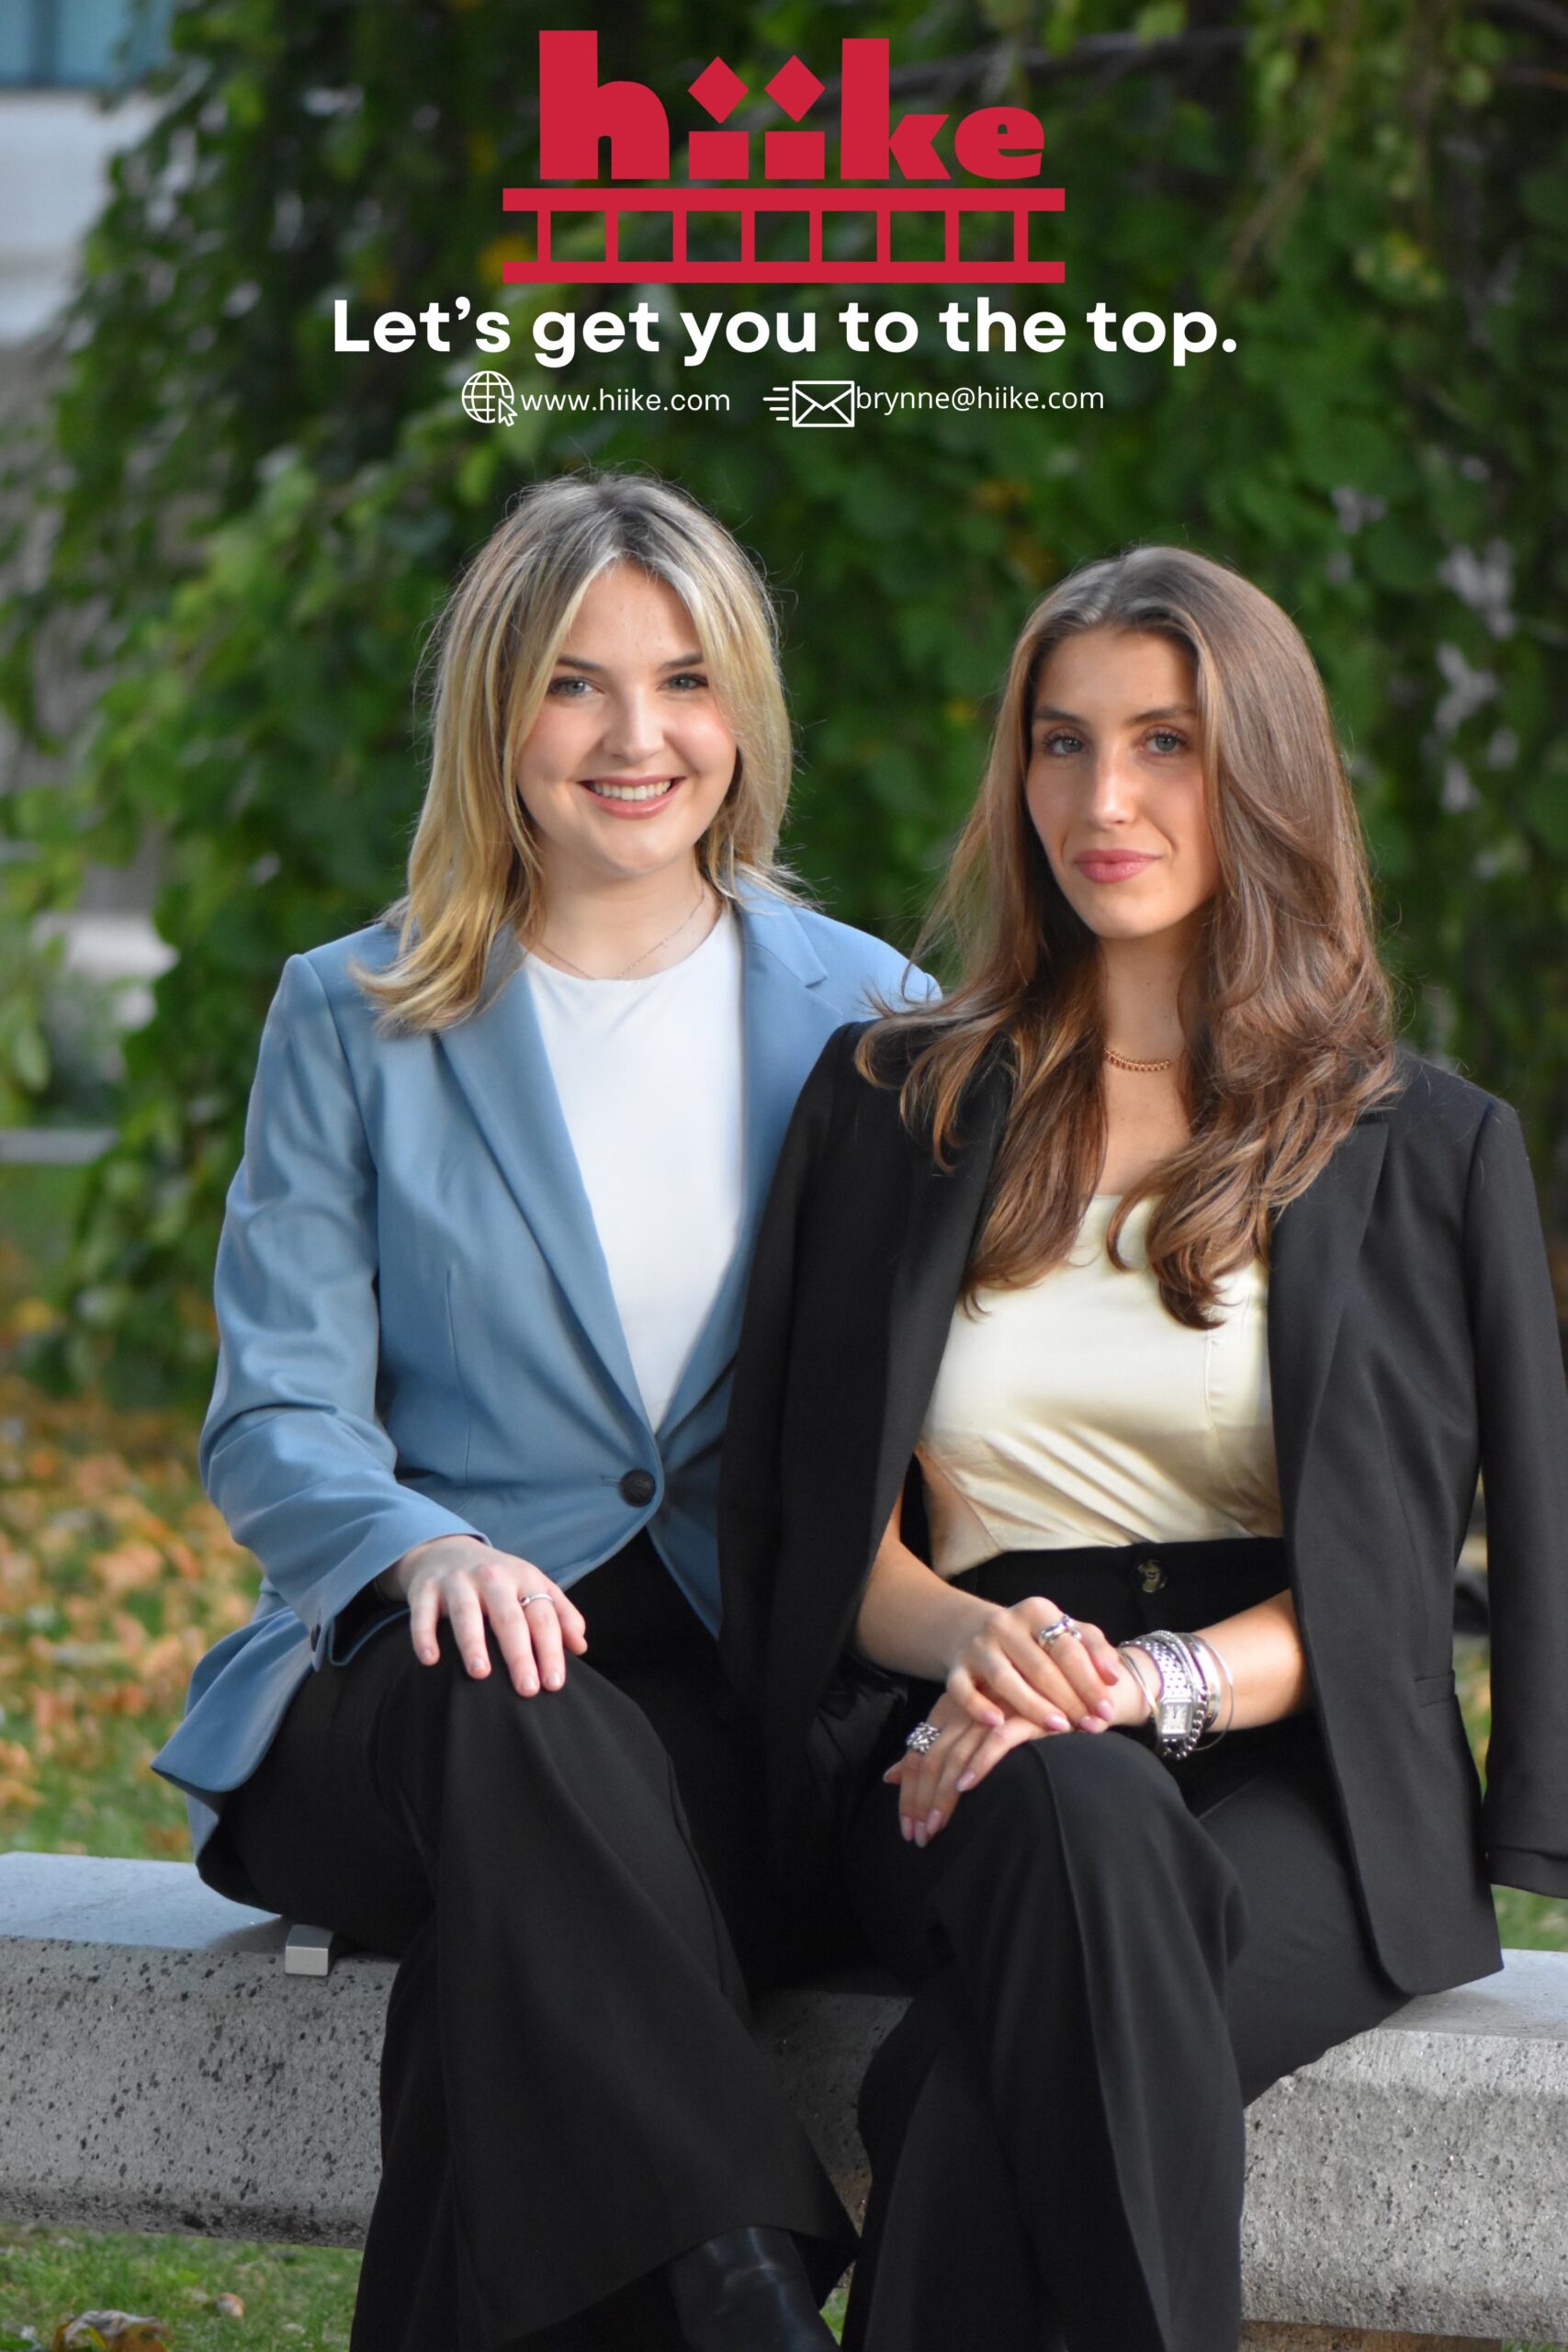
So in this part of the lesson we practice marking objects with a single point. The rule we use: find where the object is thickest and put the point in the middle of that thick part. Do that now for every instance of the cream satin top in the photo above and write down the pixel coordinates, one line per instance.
(1077, 1411)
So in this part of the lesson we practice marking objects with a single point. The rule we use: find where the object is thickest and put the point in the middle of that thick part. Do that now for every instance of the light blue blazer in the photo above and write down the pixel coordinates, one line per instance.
(417, 1334)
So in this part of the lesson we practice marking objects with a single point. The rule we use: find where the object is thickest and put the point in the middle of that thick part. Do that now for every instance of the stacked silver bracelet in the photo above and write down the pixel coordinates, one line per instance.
(1193, 1682)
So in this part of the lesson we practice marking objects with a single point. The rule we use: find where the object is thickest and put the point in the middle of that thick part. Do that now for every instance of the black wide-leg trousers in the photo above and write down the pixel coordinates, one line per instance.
(570, 2092)
(1110, 1956)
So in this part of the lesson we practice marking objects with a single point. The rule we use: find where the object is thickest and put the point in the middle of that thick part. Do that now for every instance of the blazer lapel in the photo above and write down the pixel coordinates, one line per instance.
(944, 1215)
(785, 1022)
(498, 1057)
(900, 1288)
(1312, 1251)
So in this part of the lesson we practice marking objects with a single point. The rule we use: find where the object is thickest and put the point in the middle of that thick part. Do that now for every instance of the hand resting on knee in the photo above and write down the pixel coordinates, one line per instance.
(460, 1577)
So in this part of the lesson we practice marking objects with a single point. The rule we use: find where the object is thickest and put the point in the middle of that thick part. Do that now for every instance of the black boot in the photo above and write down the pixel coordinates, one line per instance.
(746, 2291)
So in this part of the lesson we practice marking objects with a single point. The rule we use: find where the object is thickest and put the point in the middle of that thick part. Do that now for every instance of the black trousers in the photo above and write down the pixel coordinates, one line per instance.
(571, 2094)
(1112, 1957)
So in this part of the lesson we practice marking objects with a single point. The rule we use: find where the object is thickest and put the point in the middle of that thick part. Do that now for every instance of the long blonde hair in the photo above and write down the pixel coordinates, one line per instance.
(1286, 1009)
(474, 868)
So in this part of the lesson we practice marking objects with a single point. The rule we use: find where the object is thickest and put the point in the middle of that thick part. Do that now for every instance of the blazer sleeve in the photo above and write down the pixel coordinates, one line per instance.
(292, 1452)
(1523, 1412)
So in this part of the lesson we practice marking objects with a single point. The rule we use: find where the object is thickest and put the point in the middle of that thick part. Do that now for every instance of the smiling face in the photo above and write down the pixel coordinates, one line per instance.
(629, 759)
(1115, 784)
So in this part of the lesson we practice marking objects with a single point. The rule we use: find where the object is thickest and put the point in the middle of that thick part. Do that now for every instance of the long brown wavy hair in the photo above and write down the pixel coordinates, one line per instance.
(1286, 1009)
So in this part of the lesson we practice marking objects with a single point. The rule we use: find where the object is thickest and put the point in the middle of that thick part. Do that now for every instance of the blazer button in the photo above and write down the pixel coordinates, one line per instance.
(1151, 1576)
(638, 1486)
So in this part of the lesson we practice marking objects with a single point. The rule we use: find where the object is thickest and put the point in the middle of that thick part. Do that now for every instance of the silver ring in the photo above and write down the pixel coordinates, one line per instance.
(524, 1598)
(923, 1738)
(1046, 1635)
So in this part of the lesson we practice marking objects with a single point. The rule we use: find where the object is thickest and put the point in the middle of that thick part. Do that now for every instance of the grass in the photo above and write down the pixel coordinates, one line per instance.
(38, 1207)
(286, 2296)
(115, 1574)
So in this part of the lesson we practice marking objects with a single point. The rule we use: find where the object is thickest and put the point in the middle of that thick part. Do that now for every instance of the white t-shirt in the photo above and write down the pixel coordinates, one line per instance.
(1076, 1411)
(648, 1073)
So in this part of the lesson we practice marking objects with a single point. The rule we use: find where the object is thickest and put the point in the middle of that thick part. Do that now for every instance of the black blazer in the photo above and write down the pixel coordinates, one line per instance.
(1412, 1342)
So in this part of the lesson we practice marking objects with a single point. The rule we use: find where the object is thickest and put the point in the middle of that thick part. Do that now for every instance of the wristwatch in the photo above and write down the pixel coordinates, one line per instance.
(1180, 1713)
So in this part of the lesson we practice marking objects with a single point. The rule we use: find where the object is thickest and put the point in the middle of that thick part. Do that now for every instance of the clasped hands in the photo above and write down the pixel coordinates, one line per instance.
(462, 1578)
(1004, 1687)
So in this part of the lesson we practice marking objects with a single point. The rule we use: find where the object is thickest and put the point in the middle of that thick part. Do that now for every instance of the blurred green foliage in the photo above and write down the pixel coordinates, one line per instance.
(1371, 195)
(28, 968)
(60, 1052)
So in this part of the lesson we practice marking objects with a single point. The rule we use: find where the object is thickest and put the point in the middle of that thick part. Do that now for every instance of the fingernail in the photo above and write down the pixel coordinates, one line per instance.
(1058, 1722)
(933, 1819)
(554, 1681)
(1092, 1722)
(920, 1833)
(907, 1826)
(1106, 1708)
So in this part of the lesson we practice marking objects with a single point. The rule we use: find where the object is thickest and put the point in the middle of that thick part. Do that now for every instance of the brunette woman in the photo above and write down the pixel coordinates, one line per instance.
(1126, 1335)
(478, 1294)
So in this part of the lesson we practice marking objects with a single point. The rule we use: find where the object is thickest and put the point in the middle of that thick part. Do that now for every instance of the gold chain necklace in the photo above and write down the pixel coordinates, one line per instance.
(702, 901)
(1122, 1061)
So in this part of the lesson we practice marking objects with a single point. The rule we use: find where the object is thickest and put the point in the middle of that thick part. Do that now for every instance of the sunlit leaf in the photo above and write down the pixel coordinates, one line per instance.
(110, 2332)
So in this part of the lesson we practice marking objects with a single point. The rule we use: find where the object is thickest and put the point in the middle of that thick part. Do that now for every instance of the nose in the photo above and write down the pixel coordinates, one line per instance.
(632, 732)
(1112, 785)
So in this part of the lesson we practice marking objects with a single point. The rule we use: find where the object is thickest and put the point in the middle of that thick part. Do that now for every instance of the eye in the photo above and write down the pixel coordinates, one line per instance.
(1060, 742)
(1166, 739)
(689, 681)
(565, 688)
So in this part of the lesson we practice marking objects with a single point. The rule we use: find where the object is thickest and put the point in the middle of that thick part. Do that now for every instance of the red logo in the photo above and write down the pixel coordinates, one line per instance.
(580, 115)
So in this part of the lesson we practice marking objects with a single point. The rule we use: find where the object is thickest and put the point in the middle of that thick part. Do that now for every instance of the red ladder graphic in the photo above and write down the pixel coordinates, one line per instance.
(948, 204)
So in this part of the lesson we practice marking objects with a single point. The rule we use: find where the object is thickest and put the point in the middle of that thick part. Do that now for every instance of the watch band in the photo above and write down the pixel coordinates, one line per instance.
(1183, 1712)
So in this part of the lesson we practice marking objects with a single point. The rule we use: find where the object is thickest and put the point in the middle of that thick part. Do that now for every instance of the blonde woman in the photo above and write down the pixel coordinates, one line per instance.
(1125, 1338)
(478, 1294)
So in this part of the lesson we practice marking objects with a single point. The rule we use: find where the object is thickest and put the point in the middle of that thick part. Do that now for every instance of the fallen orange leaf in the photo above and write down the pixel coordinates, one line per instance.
(110, 2332)
(129, 1568)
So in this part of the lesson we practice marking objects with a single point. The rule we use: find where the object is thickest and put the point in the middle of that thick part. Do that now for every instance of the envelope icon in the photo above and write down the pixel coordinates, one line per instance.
(830, 402)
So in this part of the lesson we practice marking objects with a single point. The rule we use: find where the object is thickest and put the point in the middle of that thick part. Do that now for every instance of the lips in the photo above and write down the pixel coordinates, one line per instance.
(1112, 864)
(630, 791)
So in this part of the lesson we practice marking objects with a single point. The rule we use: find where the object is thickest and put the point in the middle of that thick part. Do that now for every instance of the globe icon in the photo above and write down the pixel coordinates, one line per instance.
(489, 399)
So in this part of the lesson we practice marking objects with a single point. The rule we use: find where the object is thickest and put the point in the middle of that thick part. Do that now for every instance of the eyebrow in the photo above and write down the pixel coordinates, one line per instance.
(576, 661)
(1167, 710)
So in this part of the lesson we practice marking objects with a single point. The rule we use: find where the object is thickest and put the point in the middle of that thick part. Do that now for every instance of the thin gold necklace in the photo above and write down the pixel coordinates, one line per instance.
(702, 901)
(1123, 1061)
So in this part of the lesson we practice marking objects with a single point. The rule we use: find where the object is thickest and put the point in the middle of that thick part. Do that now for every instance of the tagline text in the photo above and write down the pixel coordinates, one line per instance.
(559, 336)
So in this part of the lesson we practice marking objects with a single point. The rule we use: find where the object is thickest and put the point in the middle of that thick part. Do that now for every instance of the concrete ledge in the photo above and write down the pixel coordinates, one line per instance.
(1416, 2178)
(1354, 2339)
(167, 2073)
